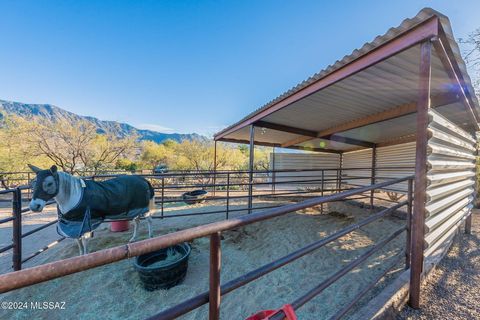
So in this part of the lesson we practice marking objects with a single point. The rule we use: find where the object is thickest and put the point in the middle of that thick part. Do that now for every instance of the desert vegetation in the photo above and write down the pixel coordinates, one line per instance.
(81, 147)
(471, 54)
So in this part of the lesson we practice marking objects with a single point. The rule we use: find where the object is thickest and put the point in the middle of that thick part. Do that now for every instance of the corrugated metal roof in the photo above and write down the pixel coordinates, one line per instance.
(385, 130)
(325, 144)
(387, 84)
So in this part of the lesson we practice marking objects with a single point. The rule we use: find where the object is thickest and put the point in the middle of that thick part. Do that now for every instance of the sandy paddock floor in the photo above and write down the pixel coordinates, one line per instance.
(114, 291)
(38, 240)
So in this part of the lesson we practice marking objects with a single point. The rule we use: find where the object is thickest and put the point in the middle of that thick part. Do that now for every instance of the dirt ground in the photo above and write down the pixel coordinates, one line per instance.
(114, 291)
(48, 236)
(33, 242)
(38, 240)
(453, 289)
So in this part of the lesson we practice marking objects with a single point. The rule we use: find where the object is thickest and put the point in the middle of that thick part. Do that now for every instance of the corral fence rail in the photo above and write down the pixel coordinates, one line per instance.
(57, 269)
(226, 191)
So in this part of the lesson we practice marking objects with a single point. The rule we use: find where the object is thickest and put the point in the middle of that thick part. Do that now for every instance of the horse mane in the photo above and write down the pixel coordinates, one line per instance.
(69, 191)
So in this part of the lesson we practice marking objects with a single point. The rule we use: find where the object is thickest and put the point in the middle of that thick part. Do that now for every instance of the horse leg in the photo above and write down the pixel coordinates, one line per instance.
(149, 224)
(85, 244)
(80, 245)
(136, 221)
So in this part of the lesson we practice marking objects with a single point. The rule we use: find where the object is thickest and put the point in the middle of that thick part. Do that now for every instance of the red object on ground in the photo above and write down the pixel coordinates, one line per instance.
(267, 314)
(118, 226)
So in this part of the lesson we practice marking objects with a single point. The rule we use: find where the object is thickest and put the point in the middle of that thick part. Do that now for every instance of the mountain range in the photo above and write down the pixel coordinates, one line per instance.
(48, 112)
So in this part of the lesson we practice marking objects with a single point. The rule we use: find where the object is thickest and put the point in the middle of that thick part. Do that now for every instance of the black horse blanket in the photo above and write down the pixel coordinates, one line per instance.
(121, 198)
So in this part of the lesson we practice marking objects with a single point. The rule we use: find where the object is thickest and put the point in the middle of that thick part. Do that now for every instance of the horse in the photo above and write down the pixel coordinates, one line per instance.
(84, 204)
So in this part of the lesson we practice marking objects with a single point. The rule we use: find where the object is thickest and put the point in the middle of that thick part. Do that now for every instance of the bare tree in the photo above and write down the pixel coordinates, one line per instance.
(471, 54)
(78, 147)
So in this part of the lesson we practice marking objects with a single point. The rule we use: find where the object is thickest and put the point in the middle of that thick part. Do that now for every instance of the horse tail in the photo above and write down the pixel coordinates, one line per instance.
(151, 203)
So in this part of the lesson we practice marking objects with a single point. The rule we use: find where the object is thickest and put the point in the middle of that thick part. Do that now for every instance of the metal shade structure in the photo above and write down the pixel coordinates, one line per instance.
(403, 99)
(370, 95)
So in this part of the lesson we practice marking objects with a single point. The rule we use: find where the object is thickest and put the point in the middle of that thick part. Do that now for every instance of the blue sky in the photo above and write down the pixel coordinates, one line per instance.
(185, 66)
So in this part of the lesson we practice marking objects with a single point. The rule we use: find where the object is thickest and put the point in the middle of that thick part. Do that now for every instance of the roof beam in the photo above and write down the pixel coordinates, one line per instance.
(409, 38)
(268, 144)
(347, 140)
(396, 141)
(404, 139)
(402, 110)
(315, 149)
(312, 134)
(265, 144)
(283, 128)
(448, 60)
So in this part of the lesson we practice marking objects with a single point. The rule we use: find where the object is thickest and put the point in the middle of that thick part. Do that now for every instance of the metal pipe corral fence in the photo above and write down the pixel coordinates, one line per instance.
(230, 189)
(57, 269)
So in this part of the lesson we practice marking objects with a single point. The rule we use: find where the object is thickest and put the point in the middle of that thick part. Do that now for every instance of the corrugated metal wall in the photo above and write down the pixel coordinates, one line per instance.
(297, 161)
(395, 161)
(451, 179)
(391, 162)
(357, 159)
(451, 173)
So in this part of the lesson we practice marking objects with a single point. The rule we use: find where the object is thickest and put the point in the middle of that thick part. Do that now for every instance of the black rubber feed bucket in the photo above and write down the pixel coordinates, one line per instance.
(194, 197)
(164, 268)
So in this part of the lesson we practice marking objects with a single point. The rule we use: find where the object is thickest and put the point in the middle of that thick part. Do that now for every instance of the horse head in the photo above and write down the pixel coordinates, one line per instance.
(45, 187)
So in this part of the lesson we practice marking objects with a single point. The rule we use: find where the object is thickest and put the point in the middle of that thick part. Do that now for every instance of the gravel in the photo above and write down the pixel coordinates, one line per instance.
(452, 291)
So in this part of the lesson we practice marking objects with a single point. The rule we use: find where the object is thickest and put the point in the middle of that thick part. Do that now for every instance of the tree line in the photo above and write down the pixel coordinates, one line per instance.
(80, 147)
